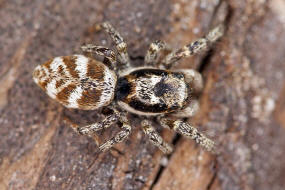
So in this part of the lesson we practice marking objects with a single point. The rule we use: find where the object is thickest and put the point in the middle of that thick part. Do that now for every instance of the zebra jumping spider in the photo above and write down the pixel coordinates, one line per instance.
(82, 82)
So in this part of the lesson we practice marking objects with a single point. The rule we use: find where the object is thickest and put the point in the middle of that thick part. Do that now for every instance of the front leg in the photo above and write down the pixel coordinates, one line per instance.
(187, 130)
(195, 47)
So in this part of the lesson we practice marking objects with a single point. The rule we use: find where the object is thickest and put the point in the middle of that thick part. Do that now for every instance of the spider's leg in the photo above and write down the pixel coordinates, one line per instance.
(108, 54)
(121, 45)
(91, 129)
(197, 46)
(154, 52)
(155, 138)
(120, 136)
(187, 130)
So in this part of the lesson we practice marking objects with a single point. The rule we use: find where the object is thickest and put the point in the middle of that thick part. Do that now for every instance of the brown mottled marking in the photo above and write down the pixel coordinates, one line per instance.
(69, 61)
(64, 94)
(43, 84)
(95, 70)
(59, 83)
(89, 98)
(47, 65)
(60, 70)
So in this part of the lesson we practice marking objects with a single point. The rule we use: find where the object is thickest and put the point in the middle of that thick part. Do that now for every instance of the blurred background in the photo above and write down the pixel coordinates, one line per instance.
(242, 105)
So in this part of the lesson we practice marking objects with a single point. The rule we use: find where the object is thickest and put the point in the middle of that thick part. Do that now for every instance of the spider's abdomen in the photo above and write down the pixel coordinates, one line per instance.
(152, 91)
(77, 81)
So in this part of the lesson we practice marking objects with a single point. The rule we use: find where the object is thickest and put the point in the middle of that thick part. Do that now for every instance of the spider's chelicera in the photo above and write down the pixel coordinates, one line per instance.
(154, 90)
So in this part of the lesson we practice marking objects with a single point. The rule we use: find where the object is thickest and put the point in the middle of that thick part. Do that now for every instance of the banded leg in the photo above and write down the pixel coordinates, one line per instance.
(153, 53)
(119, 137)
(108, 54)
(121, 45)
(187, 130)
(107, 122)
(197, 46)
(155, 138)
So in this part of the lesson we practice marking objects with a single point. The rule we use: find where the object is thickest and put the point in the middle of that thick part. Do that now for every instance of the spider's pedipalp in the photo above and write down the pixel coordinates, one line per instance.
(155, 138)
(121, 45)
(189, 111)
(187, 130)
(194, 79)
(195, 47)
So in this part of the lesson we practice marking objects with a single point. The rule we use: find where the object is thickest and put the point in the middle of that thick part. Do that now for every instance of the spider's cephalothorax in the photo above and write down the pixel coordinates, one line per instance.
(149, 91)
(81, 82)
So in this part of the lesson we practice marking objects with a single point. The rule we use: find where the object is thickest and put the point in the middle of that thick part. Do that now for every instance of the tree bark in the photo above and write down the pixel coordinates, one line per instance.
(242, 104)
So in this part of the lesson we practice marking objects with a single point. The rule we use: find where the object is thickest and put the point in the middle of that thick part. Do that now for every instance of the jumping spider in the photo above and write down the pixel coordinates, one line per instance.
(80, 81)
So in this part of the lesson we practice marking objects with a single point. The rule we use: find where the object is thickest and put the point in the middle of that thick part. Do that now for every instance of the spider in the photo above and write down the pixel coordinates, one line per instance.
(153, 90)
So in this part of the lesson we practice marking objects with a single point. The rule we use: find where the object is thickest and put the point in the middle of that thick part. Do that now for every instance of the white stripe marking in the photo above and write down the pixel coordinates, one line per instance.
(81, 65)
(74, 96)
(56, 62)
(51, 90)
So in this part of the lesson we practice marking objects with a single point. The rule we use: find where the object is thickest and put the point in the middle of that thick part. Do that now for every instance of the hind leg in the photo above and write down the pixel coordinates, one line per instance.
(108, 54)
(121, 45)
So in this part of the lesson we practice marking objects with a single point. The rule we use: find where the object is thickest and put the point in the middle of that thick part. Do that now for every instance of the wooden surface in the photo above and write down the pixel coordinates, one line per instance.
(242, 105)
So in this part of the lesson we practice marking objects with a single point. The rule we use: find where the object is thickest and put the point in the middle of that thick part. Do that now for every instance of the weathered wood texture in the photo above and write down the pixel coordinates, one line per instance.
(242, 106)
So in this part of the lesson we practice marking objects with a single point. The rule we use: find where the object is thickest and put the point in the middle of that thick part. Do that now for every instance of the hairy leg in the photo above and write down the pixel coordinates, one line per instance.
(197, 46)
(187, 130)
(108, 54)
(154, 52)
(105, 123)
(121, 45)
(155, 138)
(120, 136)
